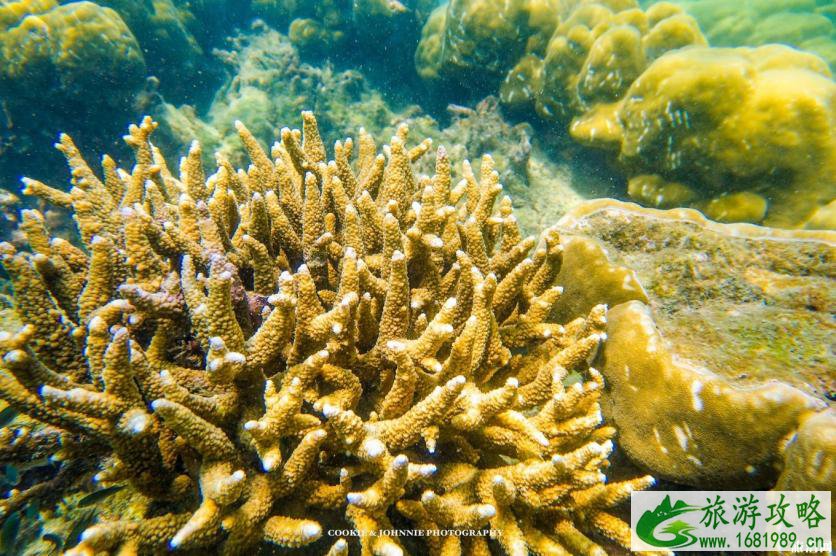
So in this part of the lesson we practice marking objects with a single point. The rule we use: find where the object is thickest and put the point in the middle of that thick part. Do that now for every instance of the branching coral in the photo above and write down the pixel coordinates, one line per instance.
(263, 353)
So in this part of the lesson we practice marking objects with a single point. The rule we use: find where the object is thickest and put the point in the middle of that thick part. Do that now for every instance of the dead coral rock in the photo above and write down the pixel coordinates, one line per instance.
(732, 352)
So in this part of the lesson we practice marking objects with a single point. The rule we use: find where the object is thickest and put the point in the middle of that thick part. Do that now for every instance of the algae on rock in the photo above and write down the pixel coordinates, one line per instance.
(712, 373)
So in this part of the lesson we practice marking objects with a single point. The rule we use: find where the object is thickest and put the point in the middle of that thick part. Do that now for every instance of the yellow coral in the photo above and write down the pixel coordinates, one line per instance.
(66, 51)
(598, 50)
(725, 120)
(256, 349)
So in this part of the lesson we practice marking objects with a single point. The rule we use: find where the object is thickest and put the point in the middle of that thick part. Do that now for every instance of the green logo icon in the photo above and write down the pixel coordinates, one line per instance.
(681, 531)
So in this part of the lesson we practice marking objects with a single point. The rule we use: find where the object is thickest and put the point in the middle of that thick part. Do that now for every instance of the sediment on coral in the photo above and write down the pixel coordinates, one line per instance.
(268, 352)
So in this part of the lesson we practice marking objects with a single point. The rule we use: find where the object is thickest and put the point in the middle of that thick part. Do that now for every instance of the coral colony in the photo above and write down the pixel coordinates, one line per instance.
(262, 354)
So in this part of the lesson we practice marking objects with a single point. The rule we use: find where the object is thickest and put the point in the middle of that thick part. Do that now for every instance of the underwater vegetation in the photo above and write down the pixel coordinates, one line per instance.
(264, 353)
(689, 124)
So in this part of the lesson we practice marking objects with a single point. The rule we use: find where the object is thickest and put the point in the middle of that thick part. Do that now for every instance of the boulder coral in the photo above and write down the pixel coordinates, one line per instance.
(268, 352)
(65, 56)
(595, 53)
(723, 120)
(689, 125)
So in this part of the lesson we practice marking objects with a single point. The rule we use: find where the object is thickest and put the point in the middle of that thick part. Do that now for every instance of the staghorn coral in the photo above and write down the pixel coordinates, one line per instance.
(262, 353)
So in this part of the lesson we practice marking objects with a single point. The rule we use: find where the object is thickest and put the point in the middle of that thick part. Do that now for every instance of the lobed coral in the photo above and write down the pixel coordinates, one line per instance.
(690, 125)
(265, 353)
(723, 121)
(595, 53)
(58, 61)
(804, 24)
(63, 50)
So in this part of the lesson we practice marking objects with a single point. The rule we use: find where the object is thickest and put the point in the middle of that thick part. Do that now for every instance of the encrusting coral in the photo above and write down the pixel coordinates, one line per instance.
(260, 353)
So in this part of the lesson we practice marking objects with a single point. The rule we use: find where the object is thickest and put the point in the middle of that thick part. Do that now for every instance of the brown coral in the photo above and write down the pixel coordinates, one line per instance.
(263, 353)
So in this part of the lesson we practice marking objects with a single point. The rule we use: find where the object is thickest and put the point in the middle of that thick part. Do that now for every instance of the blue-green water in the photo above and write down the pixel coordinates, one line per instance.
(725, 108)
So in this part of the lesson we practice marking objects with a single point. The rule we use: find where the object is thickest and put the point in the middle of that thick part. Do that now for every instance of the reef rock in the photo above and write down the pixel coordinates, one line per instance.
(810, 460)
(710, 375)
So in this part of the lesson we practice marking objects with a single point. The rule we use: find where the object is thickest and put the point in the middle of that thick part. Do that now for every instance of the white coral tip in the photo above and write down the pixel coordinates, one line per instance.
(216, 343)
(330, 410)
(374, 447)
(486, 511)
(311, 531)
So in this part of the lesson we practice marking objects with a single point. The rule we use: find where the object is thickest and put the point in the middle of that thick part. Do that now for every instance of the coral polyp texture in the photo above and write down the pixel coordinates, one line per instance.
(266, 354)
